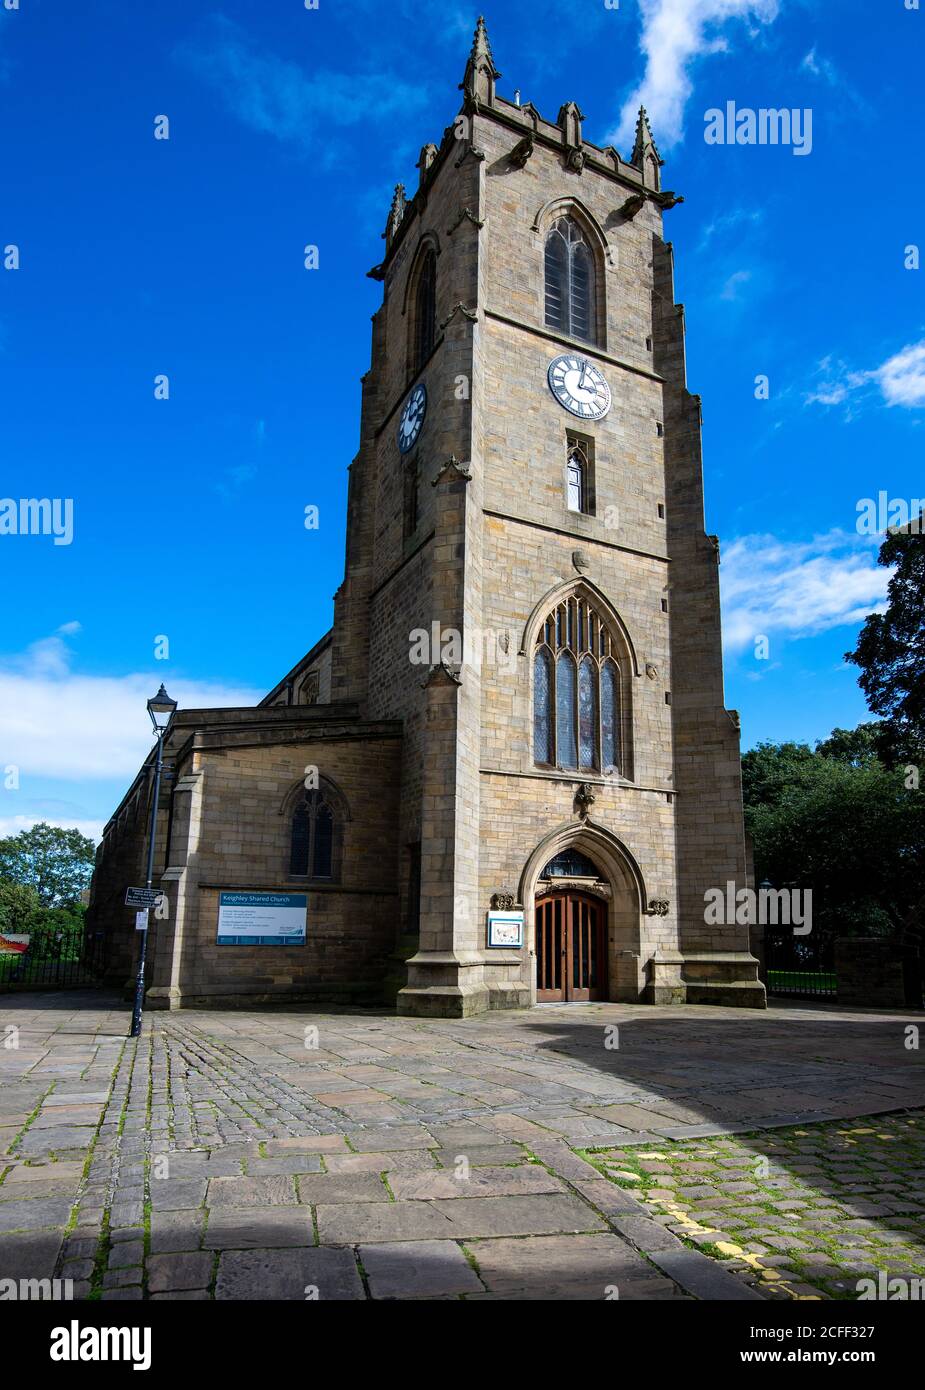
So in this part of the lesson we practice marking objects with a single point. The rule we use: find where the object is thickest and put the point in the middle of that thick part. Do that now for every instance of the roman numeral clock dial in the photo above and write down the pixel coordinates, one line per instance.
(412, 418)
(579, 386)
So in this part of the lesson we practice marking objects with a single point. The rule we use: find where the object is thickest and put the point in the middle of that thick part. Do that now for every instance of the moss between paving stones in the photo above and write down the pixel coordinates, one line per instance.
(878, 1152)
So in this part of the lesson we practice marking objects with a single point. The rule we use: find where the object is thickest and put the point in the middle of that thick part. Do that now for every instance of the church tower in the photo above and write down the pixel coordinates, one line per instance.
(528, 585)
(506, 774)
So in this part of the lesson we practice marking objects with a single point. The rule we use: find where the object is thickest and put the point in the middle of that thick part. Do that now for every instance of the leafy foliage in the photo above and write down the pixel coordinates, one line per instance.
(56, 863)
(839, 821)
(891, 650)
(20, 907)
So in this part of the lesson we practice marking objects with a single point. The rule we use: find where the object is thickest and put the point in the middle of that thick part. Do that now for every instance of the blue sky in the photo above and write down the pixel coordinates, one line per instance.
(291, 126)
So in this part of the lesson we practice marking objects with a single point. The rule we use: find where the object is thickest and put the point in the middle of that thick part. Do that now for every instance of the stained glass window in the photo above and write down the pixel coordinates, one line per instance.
(609, 715)
(565, 711)
(570, 863)
(542, 703)
(587, 714)
(577, 711)
(324, 843)
(298, 858)
(311, 848)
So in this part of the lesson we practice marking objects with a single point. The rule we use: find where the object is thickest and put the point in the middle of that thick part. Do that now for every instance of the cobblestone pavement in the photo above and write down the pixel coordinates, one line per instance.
(796, 1213)
(587, 1152)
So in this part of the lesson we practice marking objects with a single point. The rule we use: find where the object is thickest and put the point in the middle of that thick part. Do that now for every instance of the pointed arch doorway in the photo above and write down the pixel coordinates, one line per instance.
(570, 932)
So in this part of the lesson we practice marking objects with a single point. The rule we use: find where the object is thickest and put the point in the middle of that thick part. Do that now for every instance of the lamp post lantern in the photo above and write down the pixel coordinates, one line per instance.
(160, 708)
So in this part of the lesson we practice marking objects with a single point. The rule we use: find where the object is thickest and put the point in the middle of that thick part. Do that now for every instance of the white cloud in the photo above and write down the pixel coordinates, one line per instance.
(734, 284)
(798, 588)
(674, 34)
(900, 380)
(12, 825)
(56, 723)
(280, 98)
(820, 67)
(725, 225)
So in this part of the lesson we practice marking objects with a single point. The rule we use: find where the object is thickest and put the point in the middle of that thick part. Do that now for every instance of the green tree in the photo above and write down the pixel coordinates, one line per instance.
(891, 649)
(838, 821)
(860, 747)
(20, 907)
(56, 863)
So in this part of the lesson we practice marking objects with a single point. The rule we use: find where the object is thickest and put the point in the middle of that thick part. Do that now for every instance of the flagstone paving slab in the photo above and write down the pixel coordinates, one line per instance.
(396, 1161)
(359, 1222)
(518, 1215)
(476, 1182)
(239, 1228)
(330, 1189)
(583, 1266)
(297, 1275)
(415, 1269)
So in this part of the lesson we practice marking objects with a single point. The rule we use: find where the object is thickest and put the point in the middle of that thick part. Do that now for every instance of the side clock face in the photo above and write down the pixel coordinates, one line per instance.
(412, 418)
(579, 386)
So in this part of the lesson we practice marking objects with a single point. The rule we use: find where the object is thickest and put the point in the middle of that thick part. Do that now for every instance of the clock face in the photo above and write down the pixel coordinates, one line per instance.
(412, 418)
(579, 386)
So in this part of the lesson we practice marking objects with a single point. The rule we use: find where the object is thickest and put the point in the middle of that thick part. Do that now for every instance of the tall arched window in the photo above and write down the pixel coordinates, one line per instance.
(578, 701)
(570, 283)
(425, 310)
(311, 852)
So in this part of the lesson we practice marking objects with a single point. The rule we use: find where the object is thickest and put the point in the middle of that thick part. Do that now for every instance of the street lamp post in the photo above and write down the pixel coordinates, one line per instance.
(160, 708)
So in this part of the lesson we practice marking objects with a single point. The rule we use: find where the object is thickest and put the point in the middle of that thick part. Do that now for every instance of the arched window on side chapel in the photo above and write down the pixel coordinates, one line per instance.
(311, 845)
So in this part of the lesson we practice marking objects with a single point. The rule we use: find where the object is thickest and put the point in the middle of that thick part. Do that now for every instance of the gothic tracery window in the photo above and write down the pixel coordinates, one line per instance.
(577, 695)
(311, 853)
(570, 281)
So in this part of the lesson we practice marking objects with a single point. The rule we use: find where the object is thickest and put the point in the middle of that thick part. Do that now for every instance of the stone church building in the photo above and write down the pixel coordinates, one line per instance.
(506, 773)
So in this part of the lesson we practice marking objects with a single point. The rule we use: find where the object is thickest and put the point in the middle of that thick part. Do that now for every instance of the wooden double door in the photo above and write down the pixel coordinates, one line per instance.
(571, 947)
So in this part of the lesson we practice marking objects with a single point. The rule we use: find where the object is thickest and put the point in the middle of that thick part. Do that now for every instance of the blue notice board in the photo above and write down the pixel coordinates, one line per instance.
(262, 919)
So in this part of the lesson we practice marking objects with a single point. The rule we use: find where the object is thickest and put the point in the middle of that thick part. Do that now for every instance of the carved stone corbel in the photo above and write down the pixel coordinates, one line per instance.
(460, 308)
(658, 907)
(502, 902)
(442, 675)
(585, 798)
(463, 216)
(452, 465)
(472, 150)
